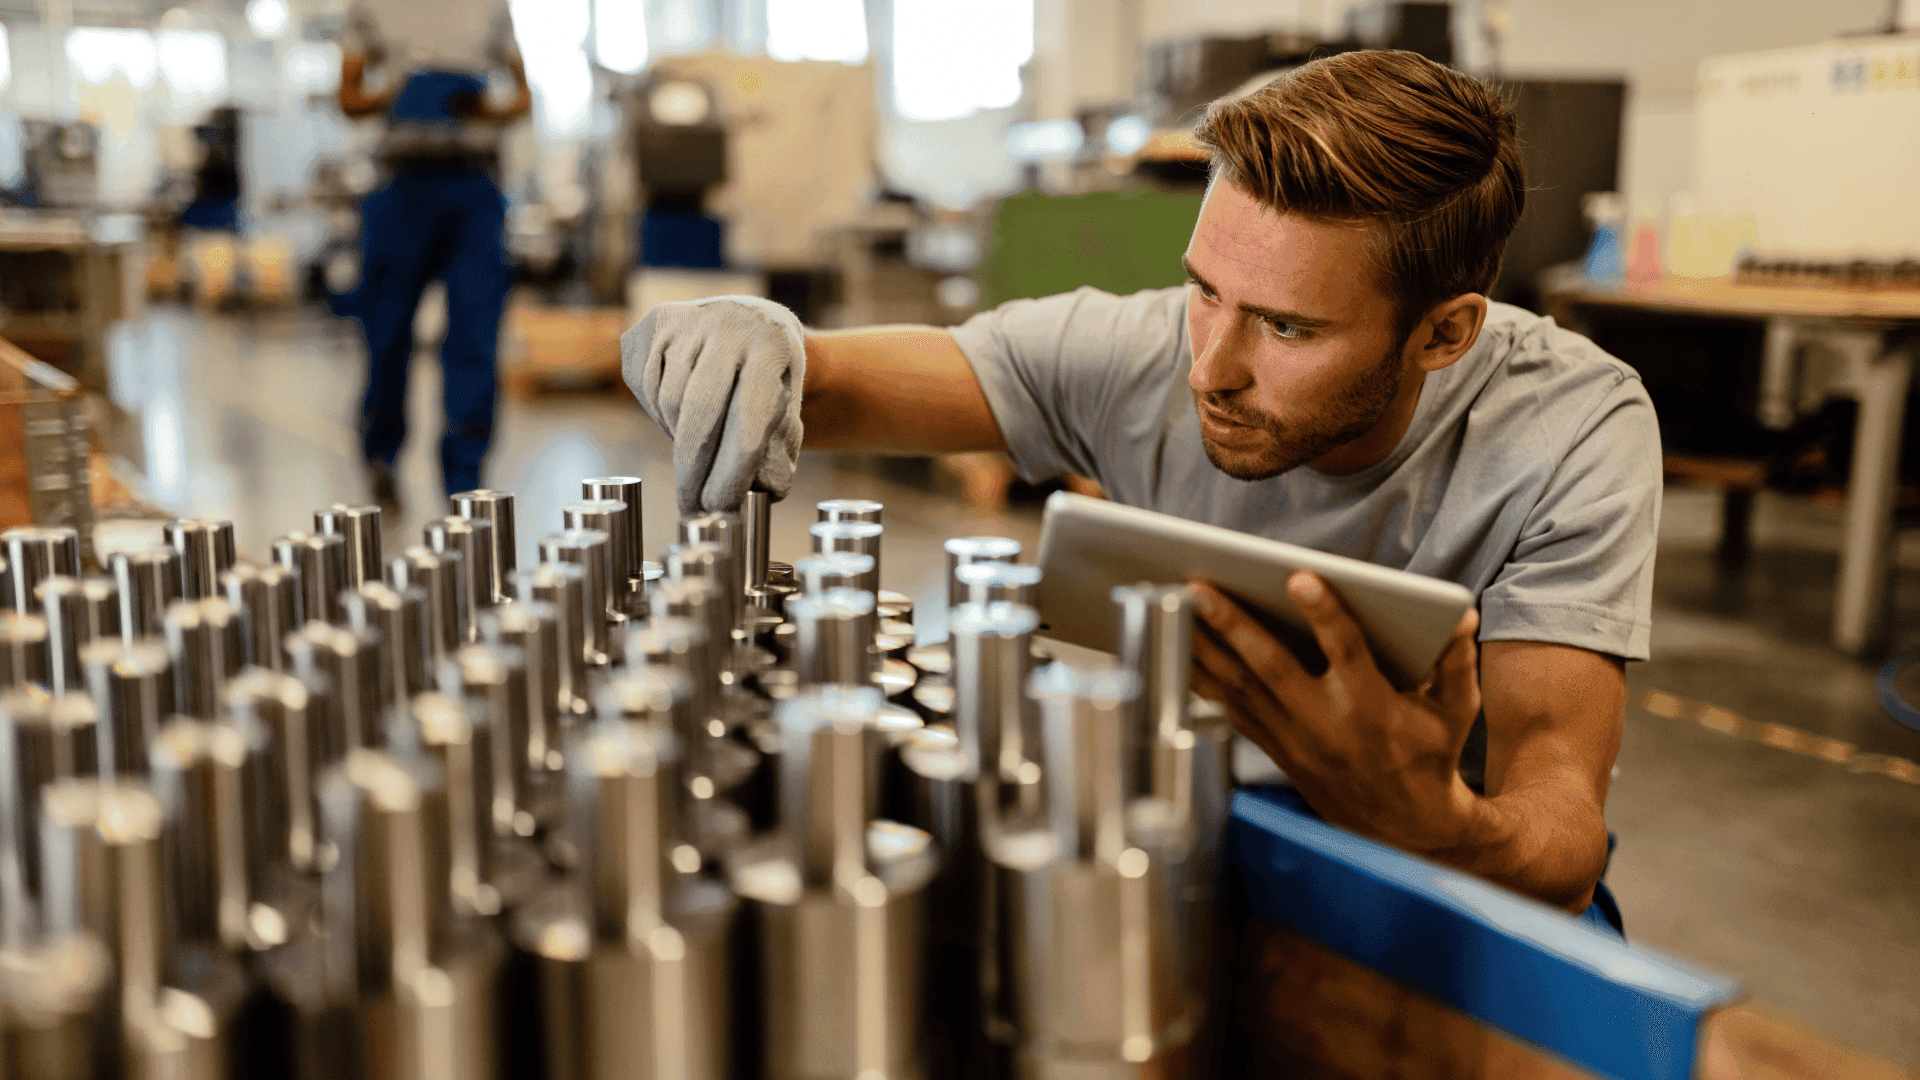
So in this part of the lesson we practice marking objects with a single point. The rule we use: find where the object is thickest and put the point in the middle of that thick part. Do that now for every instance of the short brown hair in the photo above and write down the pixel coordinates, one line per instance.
(1426, 155)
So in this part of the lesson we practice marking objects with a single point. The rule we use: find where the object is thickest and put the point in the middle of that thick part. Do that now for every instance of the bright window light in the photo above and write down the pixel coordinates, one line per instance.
(952, 59)
(1127, 134)
(193, 62)
(6, 58)
(620, 34)
(268, 18)
(1044, 139)
(552, 38)
(98, 53)
(817, 30)
(313, 67)
(683, 26)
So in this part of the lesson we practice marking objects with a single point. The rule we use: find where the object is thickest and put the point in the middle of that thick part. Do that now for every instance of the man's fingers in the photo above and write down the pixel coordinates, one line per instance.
(1333, 627)
(1238, 632)
(1231, 674)
(1456, 678)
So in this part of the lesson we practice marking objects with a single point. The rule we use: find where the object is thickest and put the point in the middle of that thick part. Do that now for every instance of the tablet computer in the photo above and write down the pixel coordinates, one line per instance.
(1088, 546)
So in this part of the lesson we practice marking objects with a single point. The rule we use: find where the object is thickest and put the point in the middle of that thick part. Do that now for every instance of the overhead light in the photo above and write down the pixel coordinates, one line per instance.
(1042, 140)
(268, 18)
(679, 102)
(1127, 134)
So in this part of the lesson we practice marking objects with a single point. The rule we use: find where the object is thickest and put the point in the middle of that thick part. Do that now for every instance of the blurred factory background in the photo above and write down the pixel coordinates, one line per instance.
(180, 249)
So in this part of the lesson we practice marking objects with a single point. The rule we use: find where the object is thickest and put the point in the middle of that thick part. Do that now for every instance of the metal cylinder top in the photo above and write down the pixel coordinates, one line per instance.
(23, 651)
(78, 611)
(610, 516)
(359, 526)
(495, 508)
(626, 489)
(987, 582)
(148, 580)
(206, 551)
(860, 510)
(320, 562)
(34, 553)
(833, 570)
(963, 550)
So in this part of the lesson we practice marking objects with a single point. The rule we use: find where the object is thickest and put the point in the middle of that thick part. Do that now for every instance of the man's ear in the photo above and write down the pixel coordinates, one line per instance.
(1449, 329)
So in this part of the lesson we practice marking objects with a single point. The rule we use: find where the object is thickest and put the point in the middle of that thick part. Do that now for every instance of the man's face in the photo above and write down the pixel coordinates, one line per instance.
(1294, 347)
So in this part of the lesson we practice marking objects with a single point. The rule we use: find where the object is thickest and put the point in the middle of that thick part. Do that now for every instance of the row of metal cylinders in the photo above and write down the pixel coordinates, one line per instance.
(353, 823)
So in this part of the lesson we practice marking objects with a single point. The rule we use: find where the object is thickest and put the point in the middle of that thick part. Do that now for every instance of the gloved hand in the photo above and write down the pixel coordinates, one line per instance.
(722, 376)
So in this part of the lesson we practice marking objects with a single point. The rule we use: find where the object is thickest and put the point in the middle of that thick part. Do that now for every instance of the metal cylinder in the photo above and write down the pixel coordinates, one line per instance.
(856, 536)
(563, 588)
(147, 580)
(206, 551)
(495, 508)
(437, 574)
(33, 554)
(359, 526)
(962, 550)
(694, 600)
(23, 652)
(201, 776)
(608, 516)
(586, 549)
(203, 640)
(491, 680)
(277, 712)
(1093, 899)
(841, 914)
(78, 612)
(398, 627)
(756, 523)
(833, 642)
(1156, 644)
(341, 667)
(991, 582)
(132, 691)
(707, 563)
(267, 599)
(862, 510)
(29, 752)
(628, 490)
(320, 564)
(532, 628)
(458, 740)
(473, 573)
(833, 570)
(56, 988)
(992, 654)
(724, 531)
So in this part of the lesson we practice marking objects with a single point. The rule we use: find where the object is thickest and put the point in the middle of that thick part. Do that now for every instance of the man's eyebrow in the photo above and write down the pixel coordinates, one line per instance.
(1270, 314)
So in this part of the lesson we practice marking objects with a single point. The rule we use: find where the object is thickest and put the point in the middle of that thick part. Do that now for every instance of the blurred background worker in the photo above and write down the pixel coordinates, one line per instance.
(441, 214)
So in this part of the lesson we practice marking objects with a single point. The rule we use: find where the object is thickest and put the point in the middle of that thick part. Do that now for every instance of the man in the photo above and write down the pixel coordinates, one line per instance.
(440, 216)
(1332, 375)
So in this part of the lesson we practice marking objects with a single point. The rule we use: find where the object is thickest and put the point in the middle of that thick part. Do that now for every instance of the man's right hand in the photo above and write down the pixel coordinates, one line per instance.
(723, 378)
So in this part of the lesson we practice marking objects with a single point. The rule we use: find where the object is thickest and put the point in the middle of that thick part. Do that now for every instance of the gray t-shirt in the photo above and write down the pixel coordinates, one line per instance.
(1530, 473)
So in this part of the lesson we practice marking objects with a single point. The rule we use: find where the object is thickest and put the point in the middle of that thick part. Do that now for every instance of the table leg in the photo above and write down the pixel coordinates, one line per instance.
(1864, 593)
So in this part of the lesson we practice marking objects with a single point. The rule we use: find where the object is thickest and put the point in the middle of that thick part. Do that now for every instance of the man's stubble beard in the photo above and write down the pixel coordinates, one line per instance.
(1349, 416)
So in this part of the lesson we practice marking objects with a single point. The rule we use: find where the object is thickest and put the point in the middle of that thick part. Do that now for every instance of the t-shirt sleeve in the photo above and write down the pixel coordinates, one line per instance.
(1054, 370)
(1581, 572)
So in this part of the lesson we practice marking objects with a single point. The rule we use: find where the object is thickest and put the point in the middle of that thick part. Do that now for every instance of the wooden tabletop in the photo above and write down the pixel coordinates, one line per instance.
(1720, 296)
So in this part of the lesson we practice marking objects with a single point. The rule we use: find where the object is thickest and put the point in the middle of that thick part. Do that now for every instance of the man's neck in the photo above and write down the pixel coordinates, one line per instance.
(1379, 440)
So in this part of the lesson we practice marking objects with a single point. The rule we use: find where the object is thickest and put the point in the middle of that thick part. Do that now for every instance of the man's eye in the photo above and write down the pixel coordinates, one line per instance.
(1204, 291)
(1285, 330)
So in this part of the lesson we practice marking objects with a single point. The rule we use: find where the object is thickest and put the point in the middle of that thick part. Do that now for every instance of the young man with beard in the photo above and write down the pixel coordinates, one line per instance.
(1332, 375)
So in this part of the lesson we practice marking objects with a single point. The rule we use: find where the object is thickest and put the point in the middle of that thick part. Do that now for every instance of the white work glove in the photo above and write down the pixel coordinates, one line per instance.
(722, 376)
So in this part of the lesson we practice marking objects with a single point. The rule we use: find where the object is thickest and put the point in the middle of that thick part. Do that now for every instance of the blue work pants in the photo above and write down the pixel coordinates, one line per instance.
(442, 221)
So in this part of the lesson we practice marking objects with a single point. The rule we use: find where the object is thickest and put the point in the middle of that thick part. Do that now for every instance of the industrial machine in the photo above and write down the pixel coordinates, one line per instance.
(348, 812)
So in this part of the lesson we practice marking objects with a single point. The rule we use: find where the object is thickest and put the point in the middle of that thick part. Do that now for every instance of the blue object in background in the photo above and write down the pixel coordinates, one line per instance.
(1509, 962)
(1602, 264)
(437, 97)
(443, 221)
(217, 212)
(681, 238)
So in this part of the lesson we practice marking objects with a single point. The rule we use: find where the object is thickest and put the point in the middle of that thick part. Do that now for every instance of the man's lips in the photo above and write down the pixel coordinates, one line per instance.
(1219, 427)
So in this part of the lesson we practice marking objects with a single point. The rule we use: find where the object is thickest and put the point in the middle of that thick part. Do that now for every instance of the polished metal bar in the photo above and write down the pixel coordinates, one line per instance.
(628, 490)
(383, 614)
(472, 538)
(206, 551)
(78, 611)
(962, 550)
(132, 691)
(28, 749)
(200, 777)
(989, 582)
(723, 530)
(532, 628)
(458, 739)
(695, 600)
(147, 580)
(586, 549)
(341, 666)
(1156, 644)
(320, 564)
(862, 538)
(496, 509)
(861, 510)
(492, 682)
(833, 570)
(33, 554)
(204, 642)
(23, 652)
(992, 654)
(563, 588)
(267, 599)
(833, 643)
(359, 526)
(437, 574)
(609, 516)
(707, 563)
(756, 523)
(277, 712)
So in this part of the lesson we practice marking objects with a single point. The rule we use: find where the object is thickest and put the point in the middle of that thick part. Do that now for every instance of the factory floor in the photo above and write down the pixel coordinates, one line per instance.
(1760, 831)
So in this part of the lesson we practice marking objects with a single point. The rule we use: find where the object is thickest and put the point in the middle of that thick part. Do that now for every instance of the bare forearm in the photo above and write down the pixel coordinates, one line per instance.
(1546, 839)
(899, 389)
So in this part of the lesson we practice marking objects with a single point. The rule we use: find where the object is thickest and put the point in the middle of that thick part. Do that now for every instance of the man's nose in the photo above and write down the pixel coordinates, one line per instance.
(1215, 369)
